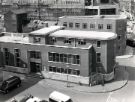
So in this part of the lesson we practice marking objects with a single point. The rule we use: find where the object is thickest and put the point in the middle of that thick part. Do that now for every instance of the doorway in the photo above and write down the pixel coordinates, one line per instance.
(35, 67)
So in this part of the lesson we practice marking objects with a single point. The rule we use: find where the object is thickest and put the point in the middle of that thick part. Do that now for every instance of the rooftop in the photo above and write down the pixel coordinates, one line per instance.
(14, 37)
(18, 11)
(95, 17)
(46, 30)
(84, 34)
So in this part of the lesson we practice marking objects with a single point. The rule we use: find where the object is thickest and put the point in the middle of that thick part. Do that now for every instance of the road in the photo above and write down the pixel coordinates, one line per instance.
(126, 94)
(25, 85)
(36, 88)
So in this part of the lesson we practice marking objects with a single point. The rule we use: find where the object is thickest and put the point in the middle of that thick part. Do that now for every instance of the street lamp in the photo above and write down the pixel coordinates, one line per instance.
(67, 75)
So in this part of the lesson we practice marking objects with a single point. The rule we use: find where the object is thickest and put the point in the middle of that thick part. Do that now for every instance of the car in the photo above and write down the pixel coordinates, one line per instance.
(10, 84)
(130, 42)
(56, 96)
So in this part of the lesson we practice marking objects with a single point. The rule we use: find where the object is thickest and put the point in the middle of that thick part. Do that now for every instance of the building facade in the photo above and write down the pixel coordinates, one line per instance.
(110, 23)
(127, 5)
(52, 9)
(15, 20)
(59, 54)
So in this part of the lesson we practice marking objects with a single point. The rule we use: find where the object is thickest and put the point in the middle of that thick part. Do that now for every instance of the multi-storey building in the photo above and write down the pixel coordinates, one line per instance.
(110, 23)
(60, 53)
(83, 51)
(52, 9)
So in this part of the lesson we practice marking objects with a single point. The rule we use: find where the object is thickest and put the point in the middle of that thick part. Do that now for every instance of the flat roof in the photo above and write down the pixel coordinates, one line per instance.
(46, 30)
(95, 17)
(84, 34)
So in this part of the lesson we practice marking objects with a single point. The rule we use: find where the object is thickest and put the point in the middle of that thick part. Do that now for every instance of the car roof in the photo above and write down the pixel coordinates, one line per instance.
(59, 96)
(11, 78)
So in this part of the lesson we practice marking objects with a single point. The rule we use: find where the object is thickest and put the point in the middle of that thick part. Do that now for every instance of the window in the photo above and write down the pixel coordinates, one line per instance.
(76, 72)
(119, 37)
(50, 69)
(92, 26)
(98, 57)
(64, 70)
(67, 41)
(58, 70)
(17, 57)
(109, 26)
(98, 43)
(7, 56)
(84, 25)
(53, 39)
(111, 11)
(36, 39)
(100, 26)
(35, 54)
(70, 25)
(65, 24)
(104, 1)
(81, 42)
(66, 58)
(119, 47)
(77, 25)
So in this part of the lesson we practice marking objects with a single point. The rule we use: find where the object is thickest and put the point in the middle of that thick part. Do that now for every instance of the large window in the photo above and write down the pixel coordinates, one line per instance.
(98, 43)
(64, 70)
(36, 39)
(104, 1)
(77, 25)
(92, 26)
(84, 25)
(100, 26)
(91, 11)
(98, 57)
(67, 41)
(70, 25)
(17, 53)
(7, 56)
(66, 58)
(65, 24)
(81, 42)
(111, 11)
(35, 54)
(109, 26)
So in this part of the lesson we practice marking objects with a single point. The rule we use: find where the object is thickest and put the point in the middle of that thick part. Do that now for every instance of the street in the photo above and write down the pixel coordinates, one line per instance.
(25, 85)
(36, 87)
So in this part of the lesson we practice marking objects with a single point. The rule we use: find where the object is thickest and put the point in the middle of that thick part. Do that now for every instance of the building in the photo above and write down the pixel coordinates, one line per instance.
(59, 54)
(52, 9)
(127, 5)
(15, 20)
(108, 23)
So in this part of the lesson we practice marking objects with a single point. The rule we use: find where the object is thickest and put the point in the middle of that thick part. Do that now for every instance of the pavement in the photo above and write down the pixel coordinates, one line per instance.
(120, 80)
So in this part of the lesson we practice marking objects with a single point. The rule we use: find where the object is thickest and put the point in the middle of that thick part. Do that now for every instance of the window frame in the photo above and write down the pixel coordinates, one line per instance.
(98, 58)
(98, 44)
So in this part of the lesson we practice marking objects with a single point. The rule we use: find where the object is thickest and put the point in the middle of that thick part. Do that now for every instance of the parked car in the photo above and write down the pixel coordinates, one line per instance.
(10, 84)
(56, 96)
(130, 42)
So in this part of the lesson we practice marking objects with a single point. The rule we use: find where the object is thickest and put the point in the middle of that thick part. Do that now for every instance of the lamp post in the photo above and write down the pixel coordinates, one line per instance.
(67, 75)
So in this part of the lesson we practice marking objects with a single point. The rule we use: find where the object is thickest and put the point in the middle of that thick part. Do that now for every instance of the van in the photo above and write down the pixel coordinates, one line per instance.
(56, 96)
(10, 83)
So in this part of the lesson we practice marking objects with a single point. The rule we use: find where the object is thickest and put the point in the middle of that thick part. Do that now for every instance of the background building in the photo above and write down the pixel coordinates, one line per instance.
(15, 20)
(110, 23)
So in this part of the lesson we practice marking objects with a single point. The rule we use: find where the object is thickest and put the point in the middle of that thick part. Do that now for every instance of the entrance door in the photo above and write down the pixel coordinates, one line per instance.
(35, 67)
